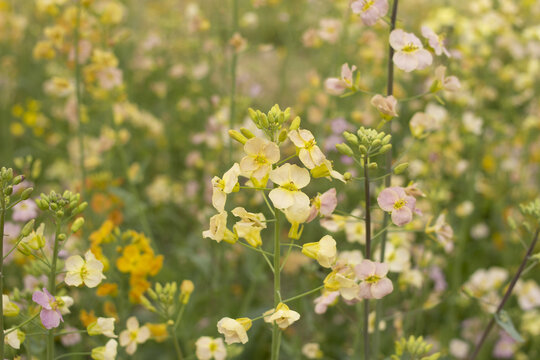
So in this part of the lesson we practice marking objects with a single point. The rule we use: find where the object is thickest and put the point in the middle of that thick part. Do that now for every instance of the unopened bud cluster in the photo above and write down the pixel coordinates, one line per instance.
(165, 300)
(7, 182)
(365, 144)
(66, 204)
(414, 348)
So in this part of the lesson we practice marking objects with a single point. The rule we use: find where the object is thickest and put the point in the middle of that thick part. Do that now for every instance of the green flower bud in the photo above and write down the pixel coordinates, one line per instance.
(376, 143)
(24, 249)
(61, 237)
(295, 124)
(385, 148)
(27, 193)
(27, 229)
(372, 166)
(77, 224)
(264, 121)
(42, 204)
(347, 176)
(386, 139)
(401, 168)
(8, 190)
(248, 134)
(54, 206)
(17, 180)
(363, 150)
(282, 136)
(60, 213)
(237, 136)
(152, 294)
(351, 138)
(81, 208)
(253, 115)
(344, 149)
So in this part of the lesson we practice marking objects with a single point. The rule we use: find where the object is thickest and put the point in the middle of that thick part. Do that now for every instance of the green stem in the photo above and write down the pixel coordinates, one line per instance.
(2, 220)
(52, 286)
(78, 96)
(234, 63)
(285, 160)
(388, 179)
(21, 324)
(177, 348)
(367, 255)
(303, 294)
(72, 354)
(276, 333)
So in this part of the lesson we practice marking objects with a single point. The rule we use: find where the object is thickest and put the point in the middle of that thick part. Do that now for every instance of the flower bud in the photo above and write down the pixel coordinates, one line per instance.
(351, 138)
(60, 213)
(77, 224)
(385, 148)
(17, 180)
(24, 249)
(344, 149)
(282, 136)
(363, 150)
(61, 237)
(295, 124)
(372, 166)
(27, 229)
(186, 288)
(8, 190)
(42, 204)
(247, 133)
(237, 136)
(401, 168)
(27, 193)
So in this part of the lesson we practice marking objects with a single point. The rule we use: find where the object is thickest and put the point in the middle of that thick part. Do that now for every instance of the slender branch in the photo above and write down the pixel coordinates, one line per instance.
(234, 63)
(276, 333)
(21, 324)
(286, 159)
(303, 294)
(78, 96)
(52, 285)
(2, 220)
(71, 354)
(506, 296)
(367, 255)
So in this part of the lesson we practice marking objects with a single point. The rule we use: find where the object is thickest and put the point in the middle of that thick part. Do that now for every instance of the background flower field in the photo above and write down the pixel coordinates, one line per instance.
(134, 124)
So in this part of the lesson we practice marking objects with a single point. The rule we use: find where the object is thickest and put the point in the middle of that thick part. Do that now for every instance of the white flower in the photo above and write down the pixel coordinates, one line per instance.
(310, 154)
(107, 352)
(102, 326)
(435, 41)
(235, 331)
(282, 316)
(15, 338)
(261, 154)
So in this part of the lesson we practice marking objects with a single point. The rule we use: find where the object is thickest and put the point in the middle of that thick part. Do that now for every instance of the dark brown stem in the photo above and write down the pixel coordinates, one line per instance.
(506, 296)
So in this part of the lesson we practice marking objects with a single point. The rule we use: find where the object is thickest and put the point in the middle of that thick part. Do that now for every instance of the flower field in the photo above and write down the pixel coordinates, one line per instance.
(270, 179)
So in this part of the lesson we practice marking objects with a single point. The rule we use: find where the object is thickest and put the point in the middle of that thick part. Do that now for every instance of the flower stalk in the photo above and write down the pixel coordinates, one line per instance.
(367, 254)
(506, 296)
(2, 220)
(276, 333)
(52, 284)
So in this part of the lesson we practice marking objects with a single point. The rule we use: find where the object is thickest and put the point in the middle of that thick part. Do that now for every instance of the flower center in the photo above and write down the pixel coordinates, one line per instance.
(372, 279)
(367, 5)
(409, 48)
(399, 204)
(310, 144)
(290, 186)
(260, 159)
(213, 347)
(84, 271)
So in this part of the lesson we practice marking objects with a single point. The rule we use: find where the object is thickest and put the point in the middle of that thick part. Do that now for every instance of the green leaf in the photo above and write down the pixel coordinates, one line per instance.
(504, 321)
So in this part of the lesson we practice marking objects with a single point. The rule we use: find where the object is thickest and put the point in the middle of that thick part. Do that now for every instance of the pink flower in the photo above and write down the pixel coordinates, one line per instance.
(327, 299)
(25, 210)
(50, 311)
(375, 284)
(370, 10)
(396, 201)
(323, 204)
(335, 86)
(410, 54)
(435, 41)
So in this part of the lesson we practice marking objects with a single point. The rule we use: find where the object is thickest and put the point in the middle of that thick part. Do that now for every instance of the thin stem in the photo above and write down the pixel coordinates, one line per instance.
(276, 333)
(234, 63)
(72, 354)
(286, 159)
(288, 253)
(21, 324)
(268, 204)
(52, 286)
(12, 249)
(255, 248)
(506, 296)
(388, 179)
(367, 254)
(78, 96)
(255, 188)
(303, 294)
(177, 348)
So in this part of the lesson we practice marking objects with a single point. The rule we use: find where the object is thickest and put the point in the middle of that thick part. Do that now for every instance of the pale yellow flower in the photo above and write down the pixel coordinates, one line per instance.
(222, 187)
(290, 178)
(88, 270)
(9, 308)
(261, 154)
(324, 251)
(102, 326)
(36, 239)
(385, 105)
(235, 331)
(218, 229)
(107, 352)
(15, 338)
(250, 226)
(309, 153)
(133, 335)
(342, 279)
(282, 316)
(208, 348)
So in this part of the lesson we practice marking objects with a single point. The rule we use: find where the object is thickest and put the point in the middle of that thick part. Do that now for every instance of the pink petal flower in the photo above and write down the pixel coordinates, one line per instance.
(42, 298)
(387, 198)
(365, 269)
(402, 216)
(381, 288)
(50, 318)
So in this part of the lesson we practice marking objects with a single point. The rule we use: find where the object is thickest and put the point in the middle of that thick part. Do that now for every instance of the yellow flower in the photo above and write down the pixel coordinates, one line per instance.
(35, 240)
(87, 317)
(158, 331)
(15, 338)
(250, 226)
(107, 289)
(218, 229)
(186, 288)
(208, 348)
